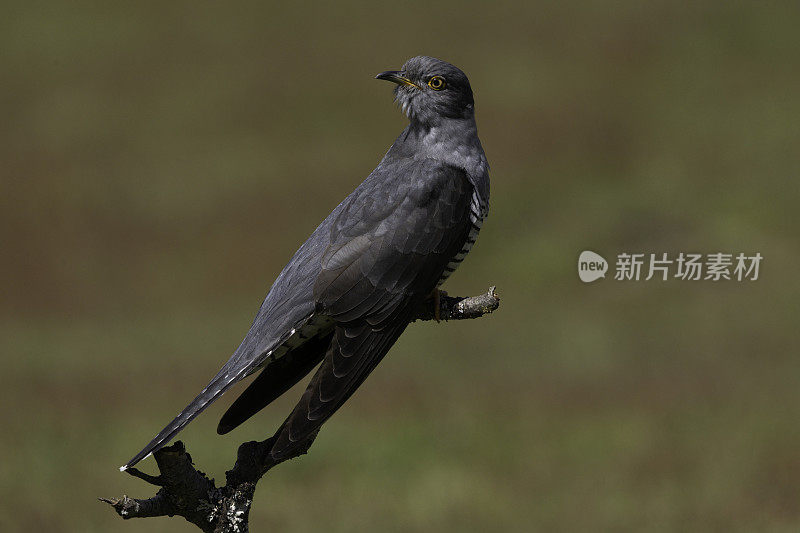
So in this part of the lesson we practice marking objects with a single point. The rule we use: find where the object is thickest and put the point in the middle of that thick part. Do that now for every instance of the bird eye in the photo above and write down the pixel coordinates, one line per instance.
(437, 83)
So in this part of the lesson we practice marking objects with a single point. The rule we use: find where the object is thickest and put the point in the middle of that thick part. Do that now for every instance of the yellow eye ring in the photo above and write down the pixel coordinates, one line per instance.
(437, 83)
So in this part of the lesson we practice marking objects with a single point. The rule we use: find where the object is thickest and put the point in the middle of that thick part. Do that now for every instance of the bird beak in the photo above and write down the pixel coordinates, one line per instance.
(395, 76)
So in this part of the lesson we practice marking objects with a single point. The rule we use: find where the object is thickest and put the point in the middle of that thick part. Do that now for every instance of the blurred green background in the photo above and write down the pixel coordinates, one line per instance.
(161, 162)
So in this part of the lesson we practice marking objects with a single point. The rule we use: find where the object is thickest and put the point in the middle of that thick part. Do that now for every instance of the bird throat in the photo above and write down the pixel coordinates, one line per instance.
(451, 141)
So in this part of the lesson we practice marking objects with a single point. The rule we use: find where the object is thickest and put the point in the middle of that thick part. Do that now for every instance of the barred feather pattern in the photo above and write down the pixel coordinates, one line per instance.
(477, 213)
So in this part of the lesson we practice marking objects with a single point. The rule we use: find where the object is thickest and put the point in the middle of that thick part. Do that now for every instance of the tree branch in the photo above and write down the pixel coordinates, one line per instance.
(187, 492)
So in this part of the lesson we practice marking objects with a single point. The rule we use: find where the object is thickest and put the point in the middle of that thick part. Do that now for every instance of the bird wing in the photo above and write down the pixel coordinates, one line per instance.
(389, 247)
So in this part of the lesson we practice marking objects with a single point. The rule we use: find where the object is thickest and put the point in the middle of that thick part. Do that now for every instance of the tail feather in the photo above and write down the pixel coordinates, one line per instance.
(218, 385)
(242, 363)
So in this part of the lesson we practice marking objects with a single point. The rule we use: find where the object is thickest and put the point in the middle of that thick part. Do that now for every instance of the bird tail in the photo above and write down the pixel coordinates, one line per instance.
(221, 382)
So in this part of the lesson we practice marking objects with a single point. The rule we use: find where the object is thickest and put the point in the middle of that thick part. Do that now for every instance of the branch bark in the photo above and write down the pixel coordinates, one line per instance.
(187, 492)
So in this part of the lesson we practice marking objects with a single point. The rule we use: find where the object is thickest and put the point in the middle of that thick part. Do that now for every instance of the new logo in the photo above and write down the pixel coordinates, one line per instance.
(591, 266)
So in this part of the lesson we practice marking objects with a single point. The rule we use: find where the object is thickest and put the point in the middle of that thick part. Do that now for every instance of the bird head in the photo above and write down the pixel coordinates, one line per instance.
(429, 90)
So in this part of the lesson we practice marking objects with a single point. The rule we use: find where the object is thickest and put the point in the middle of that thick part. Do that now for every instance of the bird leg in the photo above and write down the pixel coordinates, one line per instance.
(437, 303)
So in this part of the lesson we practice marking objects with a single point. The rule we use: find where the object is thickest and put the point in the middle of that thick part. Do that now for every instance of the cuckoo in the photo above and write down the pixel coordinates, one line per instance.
(352, 288)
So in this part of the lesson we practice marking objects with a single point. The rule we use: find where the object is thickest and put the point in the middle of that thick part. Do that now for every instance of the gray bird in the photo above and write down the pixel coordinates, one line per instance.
(351, 289)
